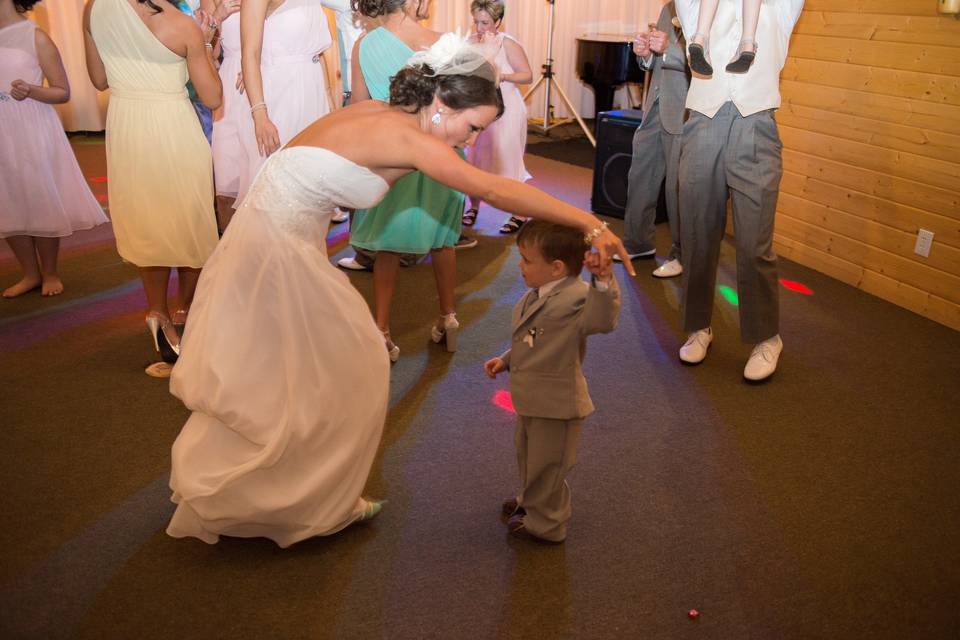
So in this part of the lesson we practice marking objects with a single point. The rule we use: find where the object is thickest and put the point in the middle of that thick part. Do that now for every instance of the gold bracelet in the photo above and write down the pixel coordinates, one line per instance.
(258, 106)
(595, 233)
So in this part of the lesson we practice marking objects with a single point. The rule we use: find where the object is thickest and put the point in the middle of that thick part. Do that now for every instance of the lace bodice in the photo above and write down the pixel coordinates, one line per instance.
(299, 187)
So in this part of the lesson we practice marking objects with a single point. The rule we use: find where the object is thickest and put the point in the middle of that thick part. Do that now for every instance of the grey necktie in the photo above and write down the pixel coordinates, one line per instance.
(534, 294)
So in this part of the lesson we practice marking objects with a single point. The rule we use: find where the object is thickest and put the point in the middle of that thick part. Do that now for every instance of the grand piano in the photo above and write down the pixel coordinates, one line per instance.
(605, 62)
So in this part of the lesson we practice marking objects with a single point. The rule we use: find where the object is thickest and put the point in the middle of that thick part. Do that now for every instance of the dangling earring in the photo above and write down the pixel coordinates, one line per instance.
(436, 117)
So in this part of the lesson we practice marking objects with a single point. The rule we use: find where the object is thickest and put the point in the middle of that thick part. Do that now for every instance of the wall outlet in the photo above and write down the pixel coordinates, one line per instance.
(924, 242)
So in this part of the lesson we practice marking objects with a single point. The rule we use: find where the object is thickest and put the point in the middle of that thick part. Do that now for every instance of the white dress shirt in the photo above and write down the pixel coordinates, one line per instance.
(550, 286)
(759, 88)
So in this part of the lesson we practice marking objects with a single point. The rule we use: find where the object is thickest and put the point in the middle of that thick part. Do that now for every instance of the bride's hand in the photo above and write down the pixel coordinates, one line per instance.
(268, 138)
(608, 245)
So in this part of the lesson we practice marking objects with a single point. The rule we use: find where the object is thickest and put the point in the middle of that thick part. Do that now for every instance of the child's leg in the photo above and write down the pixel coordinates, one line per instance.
(520, 443)
(25, 250)
(751, 17)
(697, 51)
(708, 11)
(49, 249)
(747, 50)
(551, 451)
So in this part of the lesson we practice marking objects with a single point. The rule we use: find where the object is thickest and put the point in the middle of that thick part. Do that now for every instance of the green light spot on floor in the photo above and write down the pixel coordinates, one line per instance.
(730, 295)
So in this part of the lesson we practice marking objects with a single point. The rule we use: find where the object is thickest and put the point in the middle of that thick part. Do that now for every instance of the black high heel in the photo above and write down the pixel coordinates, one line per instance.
(156, 324)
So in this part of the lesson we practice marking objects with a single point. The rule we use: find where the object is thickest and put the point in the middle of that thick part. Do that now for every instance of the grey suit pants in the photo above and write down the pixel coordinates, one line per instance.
(546, 452)
(656, 157)
(742, 156)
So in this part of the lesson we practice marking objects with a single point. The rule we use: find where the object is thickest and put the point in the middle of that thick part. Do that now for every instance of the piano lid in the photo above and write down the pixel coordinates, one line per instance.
(607, 37)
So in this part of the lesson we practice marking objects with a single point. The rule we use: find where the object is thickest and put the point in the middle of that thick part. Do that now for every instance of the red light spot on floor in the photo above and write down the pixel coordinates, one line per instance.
(796, 286)
(503, 400)
(98, 179)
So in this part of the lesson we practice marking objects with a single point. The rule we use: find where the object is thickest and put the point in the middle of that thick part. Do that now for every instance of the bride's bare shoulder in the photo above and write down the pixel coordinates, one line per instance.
(356, 125)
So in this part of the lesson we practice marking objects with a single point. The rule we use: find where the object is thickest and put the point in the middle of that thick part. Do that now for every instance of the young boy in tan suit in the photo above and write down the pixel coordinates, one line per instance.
(550, 325)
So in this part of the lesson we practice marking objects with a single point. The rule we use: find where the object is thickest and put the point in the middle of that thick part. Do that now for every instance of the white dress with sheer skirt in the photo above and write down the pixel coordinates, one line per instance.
(282, 366)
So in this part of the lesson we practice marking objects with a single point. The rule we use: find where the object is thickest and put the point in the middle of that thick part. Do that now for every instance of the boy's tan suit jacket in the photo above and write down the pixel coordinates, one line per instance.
(549, 343)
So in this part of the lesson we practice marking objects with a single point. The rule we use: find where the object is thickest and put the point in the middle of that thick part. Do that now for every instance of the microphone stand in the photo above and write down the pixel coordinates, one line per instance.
(547, 80)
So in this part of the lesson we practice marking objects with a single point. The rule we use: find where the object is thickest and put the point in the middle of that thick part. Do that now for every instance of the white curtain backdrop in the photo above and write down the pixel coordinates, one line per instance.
(527, 20)
(63, 21)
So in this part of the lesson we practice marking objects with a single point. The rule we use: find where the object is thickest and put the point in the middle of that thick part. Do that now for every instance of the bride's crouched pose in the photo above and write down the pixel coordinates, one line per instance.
(282, 365)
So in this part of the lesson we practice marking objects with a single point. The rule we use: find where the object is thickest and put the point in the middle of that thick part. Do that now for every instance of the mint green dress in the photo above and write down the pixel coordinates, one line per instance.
(418, 214)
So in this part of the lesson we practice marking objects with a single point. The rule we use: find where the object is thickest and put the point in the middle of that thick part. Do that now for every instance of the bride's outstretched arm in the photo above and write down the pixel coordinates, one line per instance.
(440, 162)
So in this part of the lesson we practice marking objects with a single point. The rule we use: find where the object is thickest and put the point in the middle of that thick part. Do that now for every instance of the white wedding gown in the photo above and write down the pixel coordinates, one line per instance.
(282, 365)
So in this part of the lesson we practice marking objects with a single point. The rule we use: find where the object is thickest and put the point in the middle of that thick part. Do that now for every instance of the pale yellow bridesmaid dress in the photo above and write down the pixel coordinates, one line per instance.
(159, 167)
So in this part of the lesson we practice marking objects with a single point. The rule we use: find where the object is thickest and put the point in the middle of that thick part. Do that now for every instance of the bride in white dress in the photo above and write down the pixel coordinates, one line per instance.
(281, 363)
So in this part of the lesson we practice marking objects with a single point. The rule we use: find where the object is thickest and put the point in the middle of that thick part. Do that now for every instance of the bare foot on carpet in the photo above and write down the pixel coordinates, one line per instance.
(52, 286)
(22, 287)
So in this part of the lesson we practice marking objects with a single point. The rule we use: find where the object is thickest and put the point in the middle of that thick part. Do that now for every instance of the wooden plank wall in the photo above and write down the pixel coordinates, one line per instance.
(871, 130)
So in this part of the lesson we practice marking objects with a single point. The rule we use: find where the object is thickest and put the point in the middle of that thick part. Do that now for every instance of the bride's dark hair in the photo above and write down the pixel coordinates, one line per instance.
(22, 6)
(375, 8)
(156, 8)
(413, 88)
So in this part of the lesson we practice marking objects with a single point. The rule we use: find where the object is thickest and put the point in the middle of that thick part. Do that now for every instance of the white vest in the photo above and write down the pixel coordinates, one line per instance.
(759, 88)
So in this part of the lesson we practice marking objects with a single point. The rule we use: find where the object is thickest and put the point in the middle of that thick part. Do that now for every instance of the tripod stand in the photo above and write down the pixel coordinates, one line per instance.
(547, 80)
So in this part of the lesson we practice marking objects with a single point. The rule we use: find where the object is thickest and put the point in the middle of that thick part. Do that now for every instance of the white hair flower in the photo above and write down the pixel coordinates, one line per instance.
(452, 54)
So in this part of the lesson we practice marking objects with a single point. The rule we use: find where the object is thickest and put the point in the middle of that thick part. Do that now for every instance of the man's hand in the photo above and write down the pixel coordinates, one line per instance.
(641, 45)
(493, 366)
(658, 41)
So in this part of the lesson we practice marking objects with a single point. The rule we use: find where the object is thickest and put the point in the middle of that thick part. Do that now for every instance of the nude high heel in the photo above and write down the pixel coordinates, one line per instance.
(449, 331)
(698, 57)
(372, 509)
(156, 323)
(393, 351)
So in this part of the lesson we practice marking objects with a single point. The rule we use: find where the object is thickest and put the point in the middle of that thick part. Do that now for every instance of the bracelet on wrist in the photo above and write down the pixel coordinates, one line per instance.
(259, 106)
(595, 233)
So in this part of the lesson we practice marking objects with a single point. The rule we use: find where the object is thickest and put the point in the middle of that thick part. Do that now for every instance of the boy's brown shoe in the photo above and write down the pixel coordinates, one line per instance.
(512, 508)
(519, 530)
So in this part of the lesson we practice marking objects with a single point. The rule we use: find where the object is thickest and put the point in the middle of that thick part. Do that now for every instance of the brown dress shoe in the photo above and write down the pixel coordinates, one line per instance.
(512, 508)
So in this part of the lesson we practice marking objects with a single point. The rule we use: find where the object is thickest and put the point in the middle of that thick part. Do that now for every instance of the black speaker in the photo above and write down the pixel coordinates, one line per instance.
(611, 166)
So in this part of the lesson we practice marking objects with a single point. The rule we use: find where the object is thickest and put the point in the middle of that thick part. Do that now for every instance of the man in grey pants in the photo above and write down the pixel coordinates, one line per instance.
(656, 143)
(731, 145)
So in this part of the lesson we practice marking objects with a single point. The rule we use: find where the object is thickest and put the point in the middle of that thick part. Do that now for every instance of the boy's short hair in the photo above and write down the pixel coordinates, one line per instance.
(555, 242)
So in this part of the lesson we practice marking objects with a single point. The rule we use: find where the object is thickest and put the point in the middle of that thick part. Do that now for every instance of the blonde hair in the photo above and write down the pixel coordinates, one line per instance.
(494, 8)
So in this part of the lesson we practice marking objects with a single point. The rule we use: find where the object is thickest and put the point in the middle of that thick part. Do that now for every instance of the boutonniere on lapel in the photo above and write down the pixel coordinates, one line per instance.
(531, 336)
